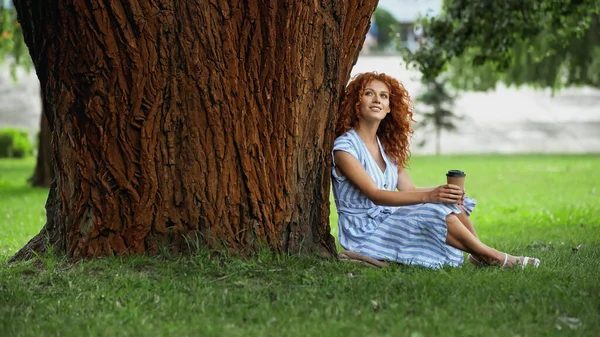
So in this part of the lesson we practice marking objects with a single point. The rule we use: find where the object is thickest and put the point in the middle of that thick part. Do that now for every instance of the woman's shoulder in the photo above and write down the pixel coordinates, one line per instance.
(348, 136)
(348, 142)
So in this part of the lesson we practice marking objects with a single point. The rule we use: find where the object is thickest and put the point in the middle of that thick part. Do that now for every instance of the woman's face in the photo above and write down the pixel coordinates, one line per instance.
(375, 101)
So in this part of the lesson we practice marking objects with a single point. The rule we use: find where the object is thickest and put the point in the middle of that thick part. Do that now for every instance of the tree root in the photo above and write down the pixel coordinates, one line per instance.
(37, 245)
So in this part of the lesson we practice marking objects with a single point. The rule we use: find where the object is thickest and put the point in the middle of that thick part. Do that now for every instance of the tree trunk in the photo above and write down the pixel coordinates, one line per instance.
(191, 123)
(44, 169)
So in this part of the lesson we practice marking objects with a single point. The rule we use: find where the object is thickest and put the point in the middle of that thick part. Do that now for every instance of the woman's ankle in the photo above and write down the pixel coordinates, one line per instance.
(496, 258)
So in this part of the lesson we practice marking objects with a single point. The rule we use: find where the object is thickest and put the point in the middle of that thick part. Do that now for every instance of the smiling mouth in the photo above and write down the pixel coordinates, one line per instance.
(375, 108)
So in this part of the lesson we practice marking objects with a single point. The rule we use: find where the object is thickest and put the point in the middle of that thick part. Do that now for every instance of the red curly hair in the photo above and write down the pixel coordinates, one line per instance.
(395, 129)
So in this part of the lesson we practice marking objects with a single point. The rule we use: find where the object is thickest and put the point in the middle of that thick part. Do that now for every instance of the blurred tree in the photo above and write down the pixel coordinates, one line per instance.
(44, 168)
(575, 63)
(12, 46)
(546, 43)
(387, 26)
(14, 50)
(439, 116)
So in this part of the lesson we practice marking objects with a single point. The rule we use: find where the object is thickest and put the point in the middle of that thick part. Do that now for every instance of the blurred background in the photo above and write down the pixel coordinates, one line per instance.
(491, 118)
(467, 110)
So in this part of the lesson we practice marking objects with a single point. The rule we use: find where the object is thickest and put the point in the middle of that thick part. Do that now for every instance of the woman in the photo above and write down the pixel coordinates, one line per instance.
(382, 215)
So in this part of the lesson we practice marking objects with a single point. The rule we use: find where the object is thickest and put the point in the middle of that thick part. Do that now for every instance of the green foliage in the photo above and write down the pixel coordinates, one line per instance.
(386, 28)
(15, 143)
(545, 206)
(12, 45)
(440, 116)
(548, 43)
(575, 63)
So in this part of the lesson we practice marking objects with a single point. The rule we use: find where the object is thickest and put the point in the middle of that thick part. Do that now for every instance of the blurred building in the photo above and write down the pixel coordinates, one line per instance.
(404, 27)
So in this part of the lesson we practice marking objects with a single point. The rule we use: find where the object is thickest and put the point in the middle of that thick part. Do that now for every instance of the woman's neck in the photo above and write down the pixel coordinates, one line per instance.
(368, 132)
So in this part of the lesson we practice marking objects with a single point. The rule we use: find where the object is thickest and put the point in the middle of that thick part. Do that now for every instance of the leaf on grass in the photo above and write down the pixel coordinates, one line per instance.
(156, 298)
(351, 275)
(118, 304)
(222, 277)
(572, 323)
(541, 245)
(375, 305)
(38, 264)
(28, 272)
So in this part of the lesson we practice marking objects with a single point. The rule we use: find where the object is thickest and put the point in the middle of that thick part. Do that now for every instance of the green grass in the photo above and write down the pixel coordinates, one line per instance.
(541, 206)
(22, 212)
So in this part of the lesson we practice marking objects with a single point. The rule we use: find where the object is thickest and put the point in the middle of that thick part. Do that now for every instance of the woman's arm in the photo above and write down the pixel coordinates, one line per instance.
(405, 184)
(354, 171)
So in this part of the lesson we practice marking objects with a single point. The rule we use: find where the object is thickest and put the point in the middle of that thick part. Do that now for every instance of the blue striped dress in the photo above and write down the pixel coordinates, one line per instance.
(414, 234)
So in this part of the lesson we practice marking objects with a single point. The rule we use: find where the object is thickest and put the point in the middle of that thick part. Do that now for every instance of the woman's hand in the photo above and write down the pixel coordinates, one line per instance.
(448, 193)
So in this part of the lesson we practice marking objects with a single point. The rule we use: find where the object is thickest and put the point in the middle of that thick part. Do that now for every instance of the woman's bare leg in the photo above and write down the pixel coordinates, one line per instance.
(460, 237)
(466, 220)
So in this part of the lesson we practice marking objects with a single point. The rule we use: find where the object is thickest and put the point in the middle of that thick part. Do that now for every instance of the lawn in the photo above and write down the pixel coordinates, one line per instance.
(536, 205)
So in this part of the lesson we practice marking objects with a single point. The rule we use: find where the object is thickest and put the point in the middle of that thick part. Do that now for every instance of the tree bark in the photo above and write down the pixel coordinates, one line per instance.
(191, 124)
(44, 169)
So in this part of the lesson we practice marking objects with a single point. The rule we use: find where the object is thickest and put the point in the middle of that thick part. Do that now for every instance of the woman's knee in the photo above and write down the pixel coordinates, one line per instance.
(452, 218)
(461, 208)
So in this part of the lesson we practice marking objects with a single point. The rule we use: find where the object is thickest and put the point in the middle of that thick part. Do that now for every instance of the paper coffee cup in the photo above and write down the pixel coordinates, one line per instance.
(456, 177)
